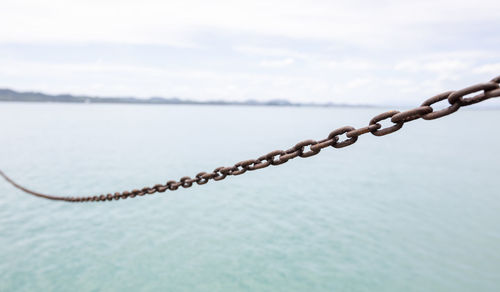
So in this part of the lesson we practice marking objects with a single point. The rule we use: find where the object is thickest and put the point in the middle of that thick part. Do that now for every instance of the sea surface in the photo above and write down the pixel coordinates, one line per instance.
(418, 210)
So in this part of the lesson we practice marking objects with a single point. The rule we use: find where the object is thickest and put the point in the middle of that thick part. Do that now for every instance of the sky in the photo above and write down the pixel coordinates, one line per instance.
(355, 52)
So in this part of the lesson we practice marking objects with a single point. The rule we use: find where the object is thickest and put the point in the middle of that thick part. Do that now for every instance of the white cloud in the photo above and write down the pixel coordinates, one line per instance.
(277, 63)
(438, 66)
(358, 51)
(446, 66)
(110, 79)
(492, 69)
(270, 52)
(23, 68)
(174, 22)
(351, 64)
(357, 83)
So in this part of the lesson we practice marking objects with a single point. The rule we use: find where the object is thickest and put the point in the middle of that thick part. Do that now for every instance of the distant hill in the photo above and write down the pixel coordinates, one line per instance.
(8, 95)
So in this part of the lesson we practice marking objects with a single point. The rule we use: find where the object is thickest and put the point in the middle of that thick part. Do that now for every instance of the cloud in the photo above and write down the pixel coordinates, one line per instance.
(351, 64)
(436, 71)
(437, 66)
(277, 63)
(357, 83)
(270, 52)
(324, 51)
(23, 68)
(178, 22)
(492, 69)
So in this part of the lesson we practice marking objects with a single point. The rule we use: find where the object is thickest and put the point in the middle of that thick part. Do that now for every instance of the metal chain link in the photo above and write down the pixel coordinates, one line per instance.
(308, 148)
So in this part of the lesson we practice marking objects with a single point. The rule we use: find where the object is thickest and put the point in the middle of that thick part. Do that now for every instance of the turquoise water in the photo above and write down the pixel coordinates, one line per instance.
(414, 211)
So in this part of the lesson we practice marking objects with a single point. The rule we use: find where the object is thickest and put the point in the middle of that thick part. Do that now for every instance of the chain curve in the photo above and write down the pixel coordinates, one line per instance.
(456, 100)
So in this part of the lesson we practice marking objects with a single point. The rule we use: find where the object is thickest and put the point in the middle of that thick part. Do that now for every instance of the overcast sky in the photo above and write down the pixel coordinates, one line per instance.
(371, 52)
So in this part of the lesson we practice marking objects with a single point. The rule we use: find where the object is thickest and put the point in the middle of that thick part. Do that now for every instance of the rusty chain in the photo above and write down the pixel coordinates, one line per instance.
(308, 148)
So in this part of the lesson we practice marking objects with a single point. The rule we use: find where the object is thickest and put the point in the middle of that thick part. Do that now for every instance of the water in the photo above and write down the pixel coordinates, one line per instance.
(414, 211)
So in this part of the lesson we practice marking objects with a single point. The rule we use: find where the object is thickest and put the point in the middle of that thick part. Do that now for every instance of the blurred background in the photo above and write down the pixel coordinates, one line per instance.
(310, 51)
(415, 211)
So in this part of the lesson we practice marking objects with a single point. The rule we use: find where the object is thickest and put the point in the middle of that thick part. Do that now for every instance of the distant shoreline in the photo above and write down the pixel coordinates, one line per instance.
(8, 95)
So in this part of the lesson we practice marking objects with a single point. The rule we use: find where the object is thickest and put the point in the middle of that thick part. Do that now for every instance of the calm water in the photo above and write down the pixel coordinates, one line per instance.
(418, 210)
